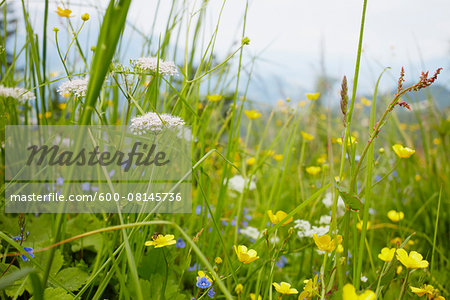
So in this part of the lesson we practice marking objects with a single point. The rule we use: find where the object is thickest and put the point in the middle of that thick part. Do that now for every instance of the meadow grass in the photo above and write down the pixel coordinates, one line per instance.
(267, 177)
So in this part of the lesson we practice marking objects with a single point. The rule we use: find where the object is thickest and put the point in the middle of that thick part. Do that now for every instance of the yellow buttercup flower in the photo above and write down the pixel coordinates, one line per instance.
(366, 101)
(253, 297)
(313, 170)
(352, 140)
(417, 177)
(403, 152)
(278, 157)
(349, 293)
(395, 216)
(387, 254)
(61, 106)
(251, 161)
(399, 270)
(284, 288)
(307, 136)
(245, 255)
(359, 225)
(218, 260)
(161, 241)
(311, 289)
(252, 114)
(239, 288)
(302, 103)
(322, 159)
(427, 289)
(325, 243)
(312, 96)
(412, 261)
(214, 98)
(65, 13)
(48, 114)
(278, 217)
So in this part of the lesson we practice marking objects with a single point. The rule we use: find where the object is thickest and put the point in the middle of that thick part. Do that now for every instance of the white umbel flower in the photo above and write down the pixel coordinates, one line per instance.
(305, 230)
(153, 123)
(77, 87)
(238, 184)
(250, 232)
(21, 94)
(150, 64)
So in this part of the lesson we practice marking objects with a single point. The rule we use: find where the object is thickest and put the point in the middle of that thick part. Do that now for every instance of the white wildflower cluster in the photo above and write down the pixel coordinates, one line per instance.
(77, 87)
(253, 234)
(153, 123)
(250, 232)
(21, 94)
(328, 202)
(153, 65)
(305, 229)
(238, 183)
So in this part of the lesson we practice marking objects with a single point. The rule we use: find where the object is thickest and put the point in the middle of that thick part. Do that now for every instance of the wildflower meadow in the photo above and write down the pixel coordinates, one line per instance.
(298, 198)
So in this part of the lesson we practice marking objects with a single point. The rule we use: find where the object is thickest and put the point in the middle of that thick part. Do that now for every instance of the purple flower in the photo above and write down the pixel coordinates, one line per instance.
(180, 243)
(29, 250)
(224, 222)
(203, 283)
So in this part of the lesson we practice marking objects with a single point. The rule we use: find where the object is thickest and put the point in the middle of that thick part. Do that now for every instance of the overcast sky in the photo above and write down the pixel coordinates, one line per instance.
(288, 35)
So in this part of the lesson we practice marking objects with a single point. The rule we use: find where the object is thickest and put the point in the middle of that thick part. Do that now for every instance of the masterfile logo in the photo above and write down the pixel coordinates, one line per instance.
(97, 169)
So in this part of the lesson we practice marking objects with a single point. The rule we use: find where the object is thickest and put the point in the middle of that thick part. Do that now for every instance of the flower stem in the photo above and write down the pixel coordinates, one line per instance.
(402, 291)
(322, 276)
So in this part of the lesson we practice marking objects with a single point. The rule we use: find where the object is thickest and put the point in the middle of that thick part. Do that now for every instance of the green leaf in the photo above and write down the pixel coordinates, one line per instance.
(350, 199)
(72, 278)
(55, 293)
(12, 287)
(151, 264)
(58, 260)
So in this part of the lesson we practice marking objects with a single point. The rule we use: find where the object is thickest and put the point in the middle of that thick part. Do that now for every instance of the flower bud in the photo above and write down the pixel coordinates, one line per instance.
(85, 17)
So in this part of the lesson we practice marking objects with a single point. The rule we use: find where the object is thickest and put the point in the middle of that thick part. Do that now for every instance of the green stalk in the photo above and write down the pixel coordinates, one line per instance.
(347, 133)
(402, 291)
(110, 33)
(368, 192)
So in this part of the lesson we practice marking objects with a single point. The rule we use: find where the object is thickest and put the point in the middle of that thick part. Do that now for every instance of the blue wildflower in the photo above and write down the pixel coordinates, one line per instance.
(17, 238)
(193, 267)
(281, 262)
(224, 222)
(180, 243)
(59, 181)
(211, 292)
(198, 210)
(29, 250)
(86, 186)
(203, 283)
